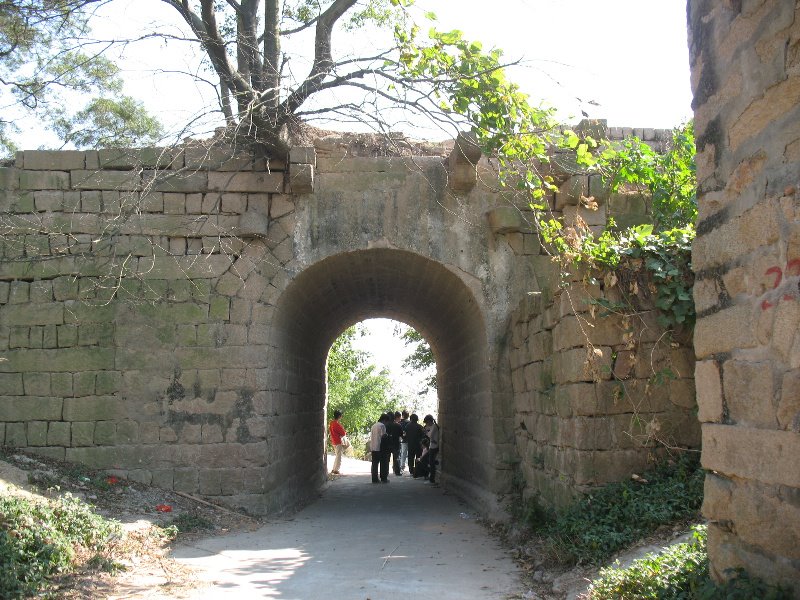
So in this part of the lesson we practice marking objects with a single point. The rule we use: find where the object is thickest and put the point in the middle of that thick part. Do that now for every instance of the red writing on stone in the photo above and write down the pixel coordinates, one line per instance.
(792, 269)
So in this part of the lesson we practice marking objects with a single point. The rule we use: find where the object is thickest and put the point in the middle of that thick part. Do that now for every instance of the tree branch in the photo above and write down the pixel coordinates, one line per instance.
(323, 61)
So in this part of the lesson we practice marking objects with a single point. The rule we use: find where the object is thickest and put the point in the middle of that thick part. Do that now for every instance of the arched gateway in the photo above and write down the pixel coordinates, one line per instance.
(168, 314)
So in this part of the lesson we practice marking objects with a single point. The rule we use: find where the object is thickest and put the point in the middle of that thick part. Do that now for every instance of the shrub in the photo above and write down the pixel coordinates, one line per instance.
(619, 514)
(38, 539)
(679, 573)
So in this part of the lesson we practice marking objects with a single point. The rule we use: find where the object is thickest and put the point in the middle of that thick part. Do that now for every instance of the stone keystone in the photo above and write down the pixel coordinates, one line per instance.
(301, 178)
(461, 164)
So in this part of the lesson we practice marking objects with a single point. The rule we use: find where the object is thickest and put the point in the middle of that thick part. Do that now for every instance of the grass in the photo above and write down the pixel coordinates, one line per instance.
(679, 573)
(620, 514)
(187, 522)
(43, 538)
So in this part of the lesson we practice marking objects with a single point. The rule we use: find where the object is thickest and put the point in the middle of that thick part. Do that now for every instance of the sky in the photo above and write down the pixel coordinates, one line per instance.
(622, 60)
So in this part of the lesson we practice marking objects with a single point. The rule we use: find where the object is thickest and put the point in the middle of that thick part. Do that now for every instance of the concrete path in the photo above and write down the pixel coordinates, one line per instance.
(360, 541)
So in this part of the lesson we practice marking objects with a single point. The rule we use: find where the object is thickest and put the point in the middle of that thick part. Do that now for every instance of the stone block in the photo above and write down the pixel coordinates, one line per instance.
(162, 478)
(279, 205)
(234, 203)
(127, 432)
(16, 434)
(58, 434)
(135, 158)
(33, 314)
(176, 181)
(167, 435)
(218, 159)
(186, 480)
(210, 482)
(67, 336)
(570, 192)
(581, 215)
(92, 408)
(149, 433)
(11, 384)
(95, 457)
(505, 219)
(28, 408)
(211, 433)
(9, 178)
(83, 383)
(749, 393)
(37, 384)
(43, 180)
(246, 182)
(48, 200)
(104, 180)
(789, 404)
(301, 180)
(174, 203)
(37, 433)
(105, 433)
(231, 482)
(581, 364)
(682, 393)
(724, 331)
(303, 155)
(762, 455)
(82, 433)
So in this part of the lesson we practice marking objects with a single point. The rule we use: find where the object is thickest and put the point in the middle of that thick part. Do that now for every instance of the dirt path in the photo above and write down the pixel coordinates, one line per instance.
(360, 541)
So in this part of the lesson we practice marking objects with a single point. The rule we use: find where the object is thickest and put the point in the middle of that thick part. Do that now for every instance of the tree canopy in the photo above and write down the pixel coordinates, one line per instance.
(355, 386)
(50, 72)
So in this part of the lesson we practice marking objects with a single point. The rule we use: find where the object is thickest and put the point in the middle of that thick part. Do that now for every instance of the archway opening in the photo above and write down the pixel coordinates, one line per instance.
(333, 294)
(375, 366)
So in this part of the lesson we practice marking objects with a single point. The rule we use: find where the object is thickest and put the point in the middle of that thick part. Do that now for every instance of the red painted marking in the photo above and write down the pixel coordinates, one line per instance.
(766, 304)
(778, 273)
(793, 267)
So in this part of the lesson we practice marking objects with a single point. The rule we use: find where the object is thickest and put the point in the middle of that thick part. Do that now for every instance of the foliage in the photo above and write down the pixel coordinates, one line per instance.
(659, 253)
(679, 573)
(669, 177)
(421, 358)
(186, 522)
(470, 82)
(38, 539)
(47, 64)
(676, 574)
(354, 386)
(616, 515)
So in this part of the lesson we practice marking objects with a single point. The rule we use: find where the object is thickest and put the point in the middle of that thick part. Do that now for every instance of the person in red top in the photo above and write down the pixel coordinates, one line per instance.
(337, 432)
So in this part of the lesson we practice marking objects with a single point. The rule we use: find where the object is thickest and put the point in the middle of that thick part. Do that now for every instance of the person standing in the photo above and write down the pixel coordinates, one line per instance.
(337, 432)
(377, 443)
(395, 432)
(414, 435)
(403, 442)
(432, 430)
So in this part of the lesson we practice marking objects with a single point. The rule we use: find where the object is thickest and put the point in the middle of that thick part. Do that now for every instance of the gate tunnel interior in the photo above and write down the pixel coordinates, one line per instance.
(325, 299)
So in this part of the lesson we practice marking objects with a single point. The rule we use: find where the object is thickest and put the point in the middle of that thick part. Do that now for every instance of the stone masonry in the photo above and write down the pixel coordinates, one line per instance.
(746, 80)
(166, 315)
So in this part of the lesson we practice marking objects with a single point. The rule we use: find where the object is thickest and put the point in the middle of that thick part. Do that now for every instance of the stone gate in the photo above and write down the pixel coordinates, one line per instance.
(168, 314)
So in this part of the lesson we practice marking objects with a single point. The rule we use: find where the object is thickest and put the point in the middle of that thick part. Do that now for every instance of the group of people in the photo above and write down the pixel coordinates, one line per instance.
(397, 437)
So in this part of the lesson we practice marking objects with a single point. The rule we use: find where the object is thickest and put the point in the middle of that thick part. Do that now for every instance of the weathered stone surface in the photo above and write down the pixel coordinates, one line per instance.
(758, 454)
(245, 182)
(28, 408)
(301, 179)
(50, 160)
(105, 180)
(505, 219)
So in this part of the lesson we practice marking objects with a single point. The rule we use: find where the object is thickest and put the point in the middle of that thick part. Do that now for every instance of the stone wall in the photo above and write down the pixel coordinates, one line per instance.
(746, 80)
(166, 315)
(597, 396)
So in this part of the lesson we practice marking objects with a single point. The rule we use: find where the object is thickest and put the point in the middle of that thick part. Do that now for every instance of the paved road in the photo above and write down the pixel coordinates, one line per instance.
(360, 541)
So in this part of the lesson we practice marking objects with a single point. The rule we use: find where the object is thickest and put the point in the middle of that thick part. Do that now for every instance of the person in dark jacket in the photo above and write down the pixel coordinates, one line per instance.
(395, 432)
(414, 435)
